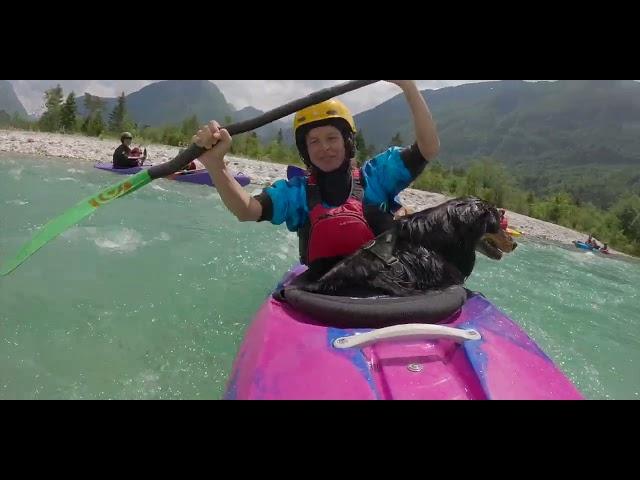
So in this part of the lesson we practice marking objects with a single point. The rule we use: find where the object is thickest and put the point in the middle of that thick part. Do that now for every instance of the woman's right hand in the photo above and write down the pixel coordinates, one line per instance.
(216, 140)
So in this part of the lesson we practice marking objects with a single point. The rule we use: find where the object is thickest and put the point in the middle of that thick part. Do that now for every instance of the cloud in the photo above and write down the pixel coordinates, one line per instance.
(262, 94)
(31, 92)
(268, 94)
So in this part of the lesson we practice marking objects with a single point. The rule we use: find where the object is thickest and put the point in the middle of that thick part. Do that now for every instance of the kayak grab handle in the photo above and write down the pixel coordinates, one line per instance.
(412, 332)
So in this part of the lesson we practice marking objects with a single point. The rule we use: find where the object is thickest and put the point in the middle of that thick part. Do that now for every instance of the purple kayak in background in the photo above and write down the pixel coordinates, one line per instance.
(201, 177)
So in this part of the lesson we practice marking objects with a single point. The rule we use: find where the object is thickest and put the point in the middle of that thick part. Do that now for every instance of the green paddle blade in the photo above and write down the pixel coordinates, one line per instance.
(58, 225)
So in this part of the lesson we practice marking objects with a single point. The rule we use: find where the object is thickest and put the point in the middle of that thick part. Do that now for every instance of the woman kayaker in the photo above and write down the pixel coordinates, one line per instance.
(336, 208)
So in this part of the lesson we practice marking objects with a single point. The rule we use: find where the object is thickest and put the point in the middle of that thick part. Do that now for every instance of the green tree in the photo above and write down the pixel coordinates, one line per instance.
(364, 151)
(627, 210)
(95, 124)
(68, 113)
(172, 135)
(50, 120)
(92, 104)
(436, 168)
(190, 127)
(253, 148)
(396, 140)
(488, 180)
(117, 117)
(5, 118)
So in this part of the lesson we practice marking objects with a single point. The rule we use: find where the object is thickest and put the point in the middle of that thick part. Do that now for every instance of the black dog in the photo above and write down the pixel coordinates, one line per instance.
(431, 249)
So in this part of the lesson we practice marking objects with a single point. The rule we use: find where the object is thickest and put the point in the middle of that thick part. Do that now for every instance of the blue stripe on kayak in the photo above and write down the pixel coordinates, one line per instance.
(477, 358)
(231, 393)
(355, 356)
(486, 319)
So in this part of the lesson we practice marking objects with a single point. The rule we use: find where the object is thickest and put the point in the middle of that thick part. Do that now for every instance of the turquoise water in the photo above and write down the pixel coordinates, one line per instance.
(149, 297)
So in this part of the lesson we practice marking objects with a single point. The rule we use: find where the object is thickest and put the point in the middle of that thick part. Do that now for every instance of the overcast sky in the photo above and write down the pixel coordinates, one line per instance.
(261, 94)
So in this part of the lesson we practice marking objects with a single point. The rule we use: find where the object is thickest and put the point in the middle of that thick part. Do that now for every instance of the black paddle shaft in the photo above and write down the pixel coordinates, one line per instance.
(194, 151)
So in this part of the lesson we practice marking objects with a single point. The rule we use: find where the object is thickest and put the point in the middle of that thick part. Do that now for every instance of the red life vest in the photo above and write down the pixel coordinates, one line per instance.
(336, 231)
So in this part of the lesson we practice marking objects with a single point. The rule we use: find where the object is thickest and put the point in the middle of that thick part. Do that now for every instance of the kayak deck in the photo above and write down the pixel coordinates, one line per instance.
(286, 355)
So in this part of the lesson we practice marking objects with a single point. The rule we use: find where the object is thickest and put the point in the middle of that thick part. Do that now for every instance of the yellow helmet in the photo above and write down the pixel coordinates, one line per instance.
(322, 111)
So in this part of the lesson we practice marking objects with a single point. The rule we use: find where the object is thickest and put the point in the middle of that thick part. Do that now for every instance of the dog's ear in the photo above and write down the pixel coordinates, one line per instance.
(469, 211)
(491, 220)
(476, 216)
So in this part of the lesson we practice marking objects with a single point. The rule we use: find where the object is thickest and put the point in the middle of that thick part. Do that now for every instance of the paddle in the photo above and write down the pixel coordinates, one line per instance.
(84, 208)
(144, 156)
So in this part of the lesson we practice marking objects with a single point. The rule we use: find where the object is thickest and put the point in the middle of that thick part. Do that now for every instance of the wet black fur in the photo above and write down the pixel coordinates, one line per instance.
(435, 249)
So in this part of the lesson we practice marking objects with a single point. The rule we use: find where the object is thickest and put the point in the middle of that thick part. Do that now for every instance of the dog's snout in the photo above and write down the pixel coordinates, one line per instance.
(515, 245)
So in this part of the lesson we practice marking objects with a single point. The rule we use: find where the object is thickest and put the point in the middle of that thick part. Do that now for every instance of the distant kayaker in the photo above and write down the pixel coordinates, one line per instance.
(338, 207)
(123, 156)
(504, 223)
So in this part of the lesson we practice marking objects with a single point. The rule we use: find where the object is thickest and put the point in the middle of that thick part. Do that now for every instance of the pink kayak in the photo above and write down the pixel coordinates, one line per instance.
(478, 353)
